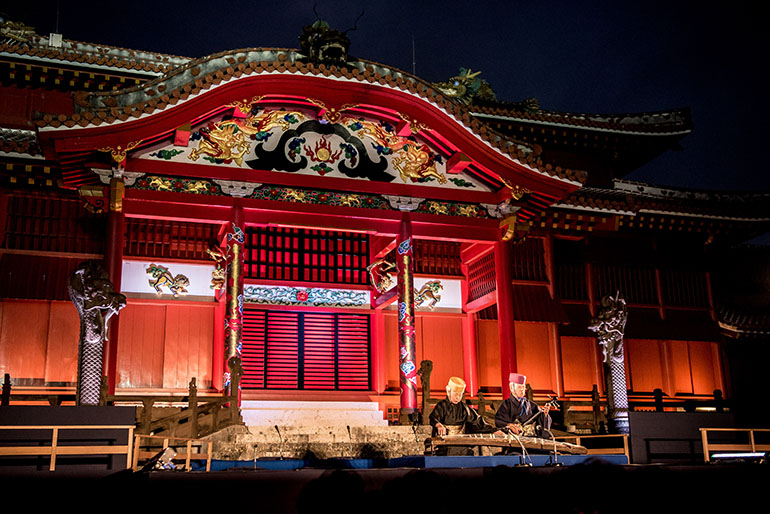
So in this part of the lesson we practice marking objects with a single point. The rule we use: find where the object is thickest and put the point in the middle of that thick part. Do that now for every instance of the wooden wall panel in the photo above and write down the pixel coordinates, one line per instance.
(61, 363)
(704, 367)
(442, 342)
(140, 352)
(439, 338)
(188, 350)
(580, 364)
(24, 338)
(679, 366)
(488, 353)
(645, 365)
(534, 356)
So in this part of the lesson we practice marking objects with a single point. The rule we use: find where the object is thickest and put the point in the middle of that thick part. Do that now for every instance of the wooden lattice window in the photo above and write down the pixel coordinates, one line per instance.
(305, 350)
(570, 266)
(528, 260)
(290, 254)
(168, 239)
(52, 224)
(685, 288)
(637, 284)
(437, 258)
(481, 277)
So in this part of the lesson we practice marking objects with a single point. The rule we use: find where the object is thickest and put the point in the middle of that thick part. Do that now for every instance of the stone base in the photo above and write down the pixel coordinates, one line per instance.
(319, 441)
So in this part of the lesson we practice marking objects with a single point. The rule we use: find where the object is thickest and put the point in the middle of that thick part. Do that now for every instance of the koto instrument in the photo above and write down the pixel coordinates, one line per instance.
(504, 441)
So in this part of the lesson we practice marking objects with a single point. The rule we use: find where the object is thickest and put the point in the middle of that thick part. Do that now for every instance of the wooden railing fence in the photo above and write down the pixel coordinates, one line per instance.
(201, 416)
(55, 448)
(751, 446)
(187, 450)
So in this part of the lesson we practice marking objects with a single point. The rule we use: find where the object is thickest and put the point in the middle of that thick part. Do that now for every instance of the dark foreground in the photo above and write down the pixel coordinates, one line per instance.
(592, 487)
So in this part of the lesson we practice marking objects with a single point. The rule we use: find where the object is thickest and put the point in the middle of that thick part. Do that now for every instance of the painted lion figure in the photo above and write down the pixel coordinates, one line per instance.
(430, 291)
(162, 277)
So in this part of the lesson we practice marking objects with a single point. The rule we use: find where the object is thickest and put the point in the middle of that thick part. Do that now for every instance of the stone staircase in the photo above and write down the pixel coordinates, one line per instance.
(260, 413)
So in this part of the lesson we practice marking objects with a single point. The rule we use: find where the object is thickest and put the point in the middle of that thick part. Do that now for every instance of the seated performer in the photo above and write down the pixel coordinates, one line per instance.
(518, 414)
(453, 416)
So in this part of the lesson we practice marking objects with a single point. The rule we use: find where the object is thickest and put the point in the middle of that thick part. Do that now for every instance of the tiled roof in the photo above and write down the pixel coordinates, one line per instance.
(743, 322)
(87, 54)
(672, 122)
(196, 76)
(627, 197)
(19, 141)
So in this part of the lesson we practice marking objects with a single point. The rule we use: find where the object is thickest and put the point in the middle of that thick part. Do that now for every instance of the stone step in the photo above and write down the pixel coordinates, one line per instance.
(296, 413)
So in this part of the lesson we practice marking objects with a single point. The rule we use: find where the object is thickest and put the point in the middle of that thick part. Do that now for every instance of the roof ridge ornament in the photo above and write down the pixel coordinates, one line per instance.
(323, 44)
(467, 87)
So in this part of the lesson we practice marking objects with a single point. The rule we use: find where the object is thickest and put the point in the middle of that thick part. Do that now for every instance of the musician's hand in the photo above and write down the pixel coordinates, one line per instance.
(440, 429)
(514, 427)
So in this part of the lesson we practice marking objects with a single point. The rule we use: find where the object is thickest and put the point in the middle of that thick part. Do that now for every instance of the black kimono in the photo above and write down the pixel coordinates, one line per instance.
(458, 416)
(515, 409)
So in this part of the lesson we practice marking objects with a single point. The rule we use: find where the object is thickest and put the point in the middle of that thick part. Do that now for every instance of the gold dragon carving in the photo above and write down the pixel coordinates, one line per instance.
(230, 139)
(412, 160)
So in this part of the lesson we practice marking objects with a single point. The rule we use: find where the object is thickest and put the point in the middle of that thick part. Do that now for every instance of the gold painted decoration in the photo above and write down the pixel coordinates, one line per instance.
(414, 125)
(331, 114)
(513, 231)
(415, 162)
(246, 105)
(119, 153)
(179, 186)
(219, 273)
(517, 192)
(380, 276)
(117, 190)
(94, 198)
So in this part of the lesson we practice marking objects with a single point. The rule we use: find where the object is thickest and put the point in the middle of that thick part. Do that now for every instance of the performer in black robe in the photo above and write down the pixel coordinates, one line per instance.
(517, 410)
(452, 416)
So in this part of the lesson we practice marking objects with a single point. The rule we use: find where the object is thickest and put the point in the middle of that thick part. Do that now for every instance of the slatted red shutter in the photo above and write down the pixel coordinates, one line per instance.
(305, 350)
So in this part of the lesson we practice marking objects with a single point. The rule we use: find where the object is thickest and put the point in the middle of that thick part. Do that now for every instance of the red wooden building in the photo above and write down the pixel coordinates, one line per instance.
(521, 214)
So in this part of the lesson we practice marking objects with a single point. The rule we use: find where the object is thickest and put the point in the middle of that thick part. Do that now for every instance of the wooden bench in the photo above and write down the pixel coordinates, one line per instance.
(55, 448)
(751, 446)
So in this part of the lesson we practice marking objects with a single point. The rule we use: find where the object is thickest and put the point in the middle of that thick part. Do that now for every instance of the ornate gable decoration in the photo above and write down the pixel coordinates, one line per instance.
(324, 141)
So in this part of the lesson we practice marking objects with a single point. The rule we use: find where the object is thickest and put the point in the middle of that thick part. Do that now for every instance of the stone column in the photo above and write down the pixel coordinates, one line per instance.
(406, 326)
(505, 327)
(113, 260)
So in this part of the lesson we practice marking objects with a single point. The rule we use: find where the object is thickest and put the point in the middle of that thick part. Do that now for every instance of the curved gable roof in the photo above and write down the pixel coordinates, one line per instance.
(197, 87)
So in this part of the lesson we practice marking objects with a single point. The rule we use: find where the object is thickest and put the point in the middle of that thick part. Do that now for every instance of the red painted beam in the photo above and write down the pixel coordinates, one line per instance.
(385, 299)
(481, 303)
(207, 171)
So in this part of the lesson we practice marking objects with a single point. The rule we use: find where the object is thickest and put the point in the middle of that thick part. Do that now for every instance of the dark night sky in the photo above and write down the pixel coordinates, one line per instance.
(576, 56)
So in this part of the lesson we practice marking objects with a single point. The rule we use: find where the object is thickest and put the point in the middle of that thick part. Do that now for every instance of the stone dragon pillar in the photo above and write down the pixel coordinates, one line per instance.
(96, 302)
(609, 326)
